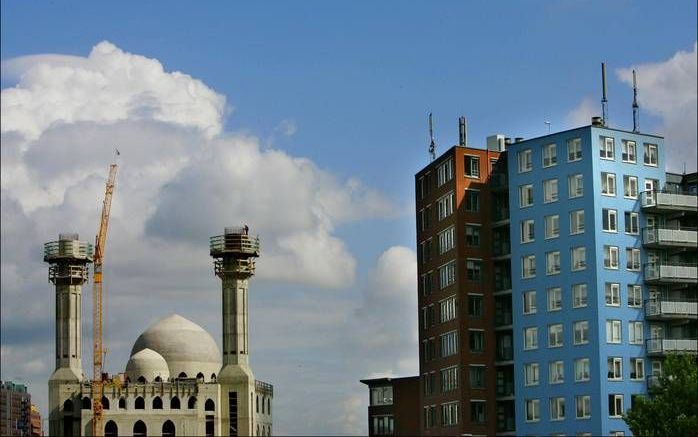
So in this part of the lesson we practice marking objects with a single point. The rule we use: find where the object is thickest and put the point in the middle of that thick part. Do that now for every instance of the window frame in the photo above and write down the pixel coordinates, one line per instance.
(607, 148)
(625, 151)
(527, 296)
(627, 187)
(532, 370)
(580, 286)
(575, 185)
(546, 155)
(582, 369)
(530, 332)
(556, 332)
(529, 190)
(525, 232)
(556, 368)
(525, 165)
(578, 263)
(580, 327)
(574, 220)
(609, 258)
(551, 190)
(554, 302)
(609, 220)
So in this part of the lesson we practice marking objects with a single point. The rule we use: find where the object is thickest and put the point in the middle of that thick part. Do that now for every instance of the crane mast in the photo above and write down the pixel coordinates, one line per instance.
(98, 350)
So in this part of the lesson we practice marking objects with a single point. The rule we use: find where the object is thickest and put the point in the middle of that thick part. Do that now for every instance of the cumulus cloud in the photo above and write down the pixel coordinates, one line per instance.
(581, 115)
(667, 89)
(108, 85)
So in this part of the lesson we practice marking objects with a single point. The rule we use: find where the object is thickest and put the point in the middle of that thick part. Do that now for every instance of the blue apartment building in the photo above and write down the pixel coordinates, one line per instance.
(603, 267)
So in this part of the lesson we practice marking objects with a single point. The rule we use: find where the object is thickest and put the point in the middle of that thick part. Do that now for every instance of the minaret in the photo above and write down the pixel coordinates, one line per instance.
(68, 258)
(234, 254)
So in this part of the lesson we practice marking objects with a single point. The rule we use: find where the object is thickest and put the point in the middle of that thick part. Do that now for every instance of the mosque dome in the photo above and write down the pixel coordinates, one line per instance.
(147, 364)
(186, 347)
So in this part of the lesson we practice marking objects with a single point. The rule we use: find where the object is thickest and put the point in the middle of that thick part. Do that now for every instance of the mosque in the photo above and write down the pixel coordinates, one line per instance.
(176, 381)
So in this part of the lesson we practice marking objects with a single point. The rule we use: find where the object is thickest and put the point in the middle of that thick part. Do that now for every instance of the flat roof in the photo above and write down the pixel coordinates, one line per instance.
(385, 380)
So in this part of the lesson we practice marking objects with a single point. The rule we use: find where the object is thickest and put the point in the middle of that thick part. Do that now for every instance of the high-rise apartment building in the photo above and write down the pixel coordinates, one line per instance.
(604, 275)
(15, 409)
(393, 407)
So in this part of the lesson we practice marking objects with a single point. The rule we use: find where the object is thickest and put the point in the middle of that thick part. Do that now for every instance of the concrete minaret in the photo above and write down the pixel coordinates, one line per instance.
(68, 258)
(234, 254)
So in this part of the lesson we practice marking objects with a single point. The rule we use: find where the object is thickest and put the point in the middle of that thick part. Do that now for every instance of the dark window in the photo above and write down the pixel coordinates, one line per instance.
(182, 375)
(157, 403)
(192, 403)
(86, 403)
(140, 403)
(122, 403)
(139, 429)
(105, 403)
(474, 306)
(174, 403)
(141, 379)
(268, 405)
(209, 405)
(209, 426)
(213, 377)
(257, 403)
(200, 376)
(168, 428)
(158, 379)
(233, 413)
(68, 406)
(110, 429)
(477, 341)
(472, 200)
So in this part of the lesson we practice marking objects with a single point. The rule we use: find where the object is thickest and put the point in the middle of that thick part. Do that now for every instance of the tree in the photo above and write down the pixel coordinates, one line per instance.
(672, 405)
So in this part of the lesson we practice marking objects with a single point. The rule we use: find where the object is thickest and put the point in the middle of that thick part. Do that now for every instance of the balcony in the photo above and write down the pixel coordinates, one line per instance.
(659, 200)
(665, 237)
(504, 354)
(505, 389)
(671, 309)
(662, 346)
(503, 319)
(671, 273)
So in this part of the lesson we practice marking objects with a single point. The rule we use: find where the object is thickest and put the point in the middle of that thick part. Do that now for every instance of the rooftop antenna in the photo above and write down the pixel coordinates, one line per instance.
(463, 131)
(604, 100)
(547, 123)
(432, 145)
(636, 121)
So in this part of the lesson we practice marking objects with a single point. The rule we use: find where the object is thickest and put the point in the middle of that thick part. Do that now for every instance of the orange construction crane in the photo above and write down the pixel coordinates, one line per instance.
(98, 349)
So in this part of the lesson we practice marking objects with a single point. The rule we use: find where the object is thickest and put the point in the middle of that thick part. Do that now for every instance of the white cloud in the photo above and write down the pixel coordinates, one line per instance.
(287, 127)
(667, 89)
(581, 115)
(107, 86)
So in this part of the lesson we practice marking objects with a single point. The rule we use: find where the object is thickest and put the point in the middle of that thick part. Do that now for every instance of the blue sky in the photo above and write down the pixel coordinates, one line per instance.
(346, 86)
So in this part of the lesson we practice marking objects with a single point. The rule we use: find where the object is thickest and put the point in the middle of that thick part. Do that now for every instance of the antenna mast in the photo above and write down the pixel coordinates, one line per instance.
(432, 145)
(604, 100)
(636, 121)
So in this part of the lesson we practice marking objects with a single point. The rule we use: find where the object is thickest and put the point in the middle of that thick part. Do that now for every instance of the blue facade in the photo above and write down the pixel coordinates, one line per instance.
(590, 270)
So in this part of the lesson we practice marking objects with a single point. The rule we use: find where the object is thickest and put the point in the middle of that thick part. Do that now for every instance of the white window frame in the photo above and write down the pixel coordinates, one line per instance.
(608, 184)
(528, 231)
(627, 156)
(530, 338)
(632, 223)
(444, 206)
(444, 172)
(615, 368)
(583, 406)
(473, 232)
(446, 240)
(575, 186)
(630, 187)
(529, 302)
(637, 369)
(449, 379)
(582, 371)
(577, 222)
(607, 148)
(447, 274)
(636, 332)
(612, 294)
(525, 160)
(525, 193)
(449, 413)
(614, 334)
(448, 343)
(556, 335)
(578, 257)
(528, 266)
(556, 372)
(581, 332)
(648, 154)
(580, 296)
(609, 220)
(549, 155)
(552, 226)
(448, 309)
(474, 170)
(531, 374)
(617, 401)
(552, 263)
(557, 409)
(532, 410)
(574, 149)
(551, 192)
(611, 257)
(633, 263)
(554, 298)
(634, 296)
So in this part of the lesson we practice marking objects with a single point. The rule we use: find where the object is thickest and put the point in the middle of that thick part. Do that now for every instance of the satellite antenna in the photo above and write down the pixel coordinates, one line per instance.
(636, 121)
(432, 145)
(547, 123)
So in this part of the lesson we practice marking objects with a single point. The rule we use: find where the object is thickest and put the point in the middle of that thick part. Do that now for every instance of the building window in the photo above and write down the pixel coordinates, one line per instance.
(651, 154)
(637, 369)
(444, 206)
(475, 305)
(472, 200)
(550, 192)
(429, 349)
(449, 414)
(525, 196)
(577, 222)
(557, 408)
(531, 338)
(472, 235)
(581, 369)
(444, 172)
(477, 411)
(477, 376)
(607, 148)
(581, 332)
(430, 416)
(421, 188)
(635, 296)
(579, 295)
(476, 341)
(531, 374)
(633, 259)
(528, 266)
(629, 151)
(579, 258)
(615, 368)
(615, 405)
(447, 274)
(448, 309)
(608, 184)
(549, 155)
(428, 316)
(382, 395)
(446, 240)
(630, 186)
(613, 331)
(525, 159)
(554, 299)
(449, 343)
(555, 335)
(552, 226)
(574, 149)
(610, 257)
(425, 251)
(382, 425)
(532, 410)
(610, 220)
(527, 231)
(424, 218)
(473, 269)
(612, 294)
(552, 263)
(425, 283)
(632, 223)
(583, 406)
(635, 332)
(529, 302)
(556, 372)
(575, 185)
(472, 166)
(429, 380)
(449, 379)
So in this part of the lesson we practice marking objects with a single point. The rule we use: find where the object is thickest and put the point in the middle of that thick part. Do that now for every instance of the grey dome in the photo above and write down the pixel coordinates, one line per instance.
(186, 347)
(148, 364)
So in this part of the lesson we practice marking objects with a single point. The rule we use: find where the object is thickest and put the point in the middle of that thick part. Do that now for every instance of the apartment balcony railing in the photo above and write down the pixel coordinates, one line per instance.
(505, 389)
(502, 249)
(666, 237)
(668, 273)
(501, 284)
(503, 318)
(504, 354)
(660, 200)
(671, 309)
(661, 346)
